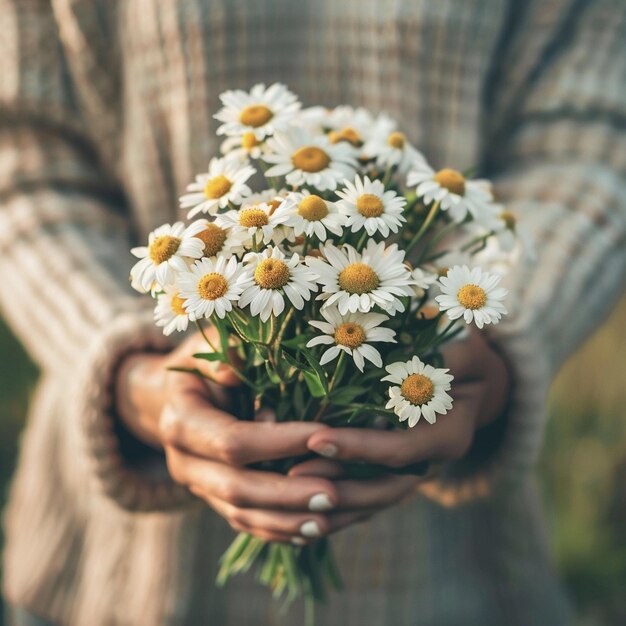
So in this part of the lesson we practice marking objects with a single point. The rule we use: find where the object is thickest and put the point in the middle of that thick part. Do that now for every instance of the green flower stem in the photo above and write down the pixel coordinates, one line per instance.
(434, 209)
(206, 337)
(482, 240)
(447, 229)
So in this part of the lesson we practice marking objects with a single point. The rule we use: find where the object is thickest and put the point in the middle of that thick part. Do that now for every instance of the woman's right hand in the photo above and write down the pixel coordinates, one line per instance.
(208, 449)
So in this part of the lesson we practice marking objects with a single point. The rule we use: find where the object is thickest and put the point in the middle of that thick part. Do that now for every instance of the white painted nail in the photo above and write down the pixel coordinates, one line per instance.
(329, 450)
(320, 502)
(310, 529)
(298, 541)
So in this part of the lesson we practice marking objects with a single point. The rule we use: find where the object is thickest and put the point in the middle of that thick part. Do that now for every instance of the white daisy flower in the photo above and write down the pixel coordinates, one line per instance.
(220, 241)
(473, 295)
(422, 280)
(511, 234)
(455, 193)
(307, 159)
(309, 214)
(391, 148)
(261, 221)
(269, 277)
(170, 312)
(366, 204)
(242, 147)
(358, 282)
(351, 333)
(224, 182)
(261, 112)
(210, 287)
(354, 126)
(420, 391)
(169, 247)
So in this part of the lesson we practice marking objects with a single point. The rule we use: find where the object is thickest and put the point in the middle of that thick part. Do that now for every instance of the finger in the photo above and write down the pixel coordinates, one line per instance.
(217, 371)
(246, 488)
(189, 422)
(339, 521)
(373, 494)
(238, 526)
(304, 525)
(448, 438)
(318, 467)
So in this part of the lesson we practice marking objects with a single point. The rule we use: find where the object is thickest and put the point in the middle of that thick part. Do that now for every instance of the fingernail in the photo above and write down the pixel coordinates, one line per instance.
(320, 502)
(298, 541)
(310, 529)
(329, 450)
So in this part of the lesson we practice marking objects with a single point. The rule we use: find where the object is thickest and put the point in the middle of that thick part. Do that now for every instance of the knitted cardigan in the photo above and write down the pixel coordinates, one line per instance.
(106, 114)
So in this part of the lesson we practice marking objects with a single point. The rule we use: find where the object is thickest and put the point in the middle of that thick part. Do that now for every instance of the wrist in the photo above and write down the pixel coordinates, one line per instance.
(140, 395)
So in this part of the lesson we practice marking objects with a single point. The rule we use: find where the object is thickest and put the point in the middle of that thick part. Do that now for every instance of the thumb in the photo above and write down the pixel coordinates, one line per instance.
(219, 372)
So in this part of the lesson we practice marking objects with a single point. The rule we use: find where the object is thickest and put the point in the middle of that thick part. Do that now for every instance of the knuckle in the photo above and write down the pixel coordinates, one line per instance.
(232, 493)
(237, 516)
(171, 427)
(228, 446)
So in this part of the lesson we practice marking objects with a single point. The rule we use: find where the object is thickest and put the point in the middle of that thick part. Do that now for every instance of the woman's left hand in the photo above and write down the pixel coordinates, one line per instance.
(479, 390)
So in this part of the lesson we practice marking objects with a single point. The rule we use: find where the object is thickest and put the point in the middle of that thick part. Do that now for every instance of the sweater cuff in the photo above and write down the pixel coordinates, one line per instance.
(502, 453)
(132, 486)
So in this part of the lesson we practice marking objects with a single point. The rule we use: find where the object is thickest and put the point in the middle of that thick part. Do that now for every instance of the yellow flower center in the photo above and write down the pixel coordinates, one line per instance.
(310, 159)
(472, 297)
(347, 134)
(271, 274)
(212, 286)
(396, 140)
(350, 335)
(451, 180)
(509, 219)
(213, 238)
(253, 218)
(177, 305)
(163, 248)
(358, 278)
(313, 208)
(255, 115)
(369, 205)
(217, 187)
(249, 141)
(417, 389)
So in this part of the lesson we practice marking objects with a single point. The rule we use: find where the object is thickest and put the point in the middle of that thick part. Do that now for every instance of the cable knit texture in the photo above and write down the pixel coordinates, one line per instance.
(105, 116)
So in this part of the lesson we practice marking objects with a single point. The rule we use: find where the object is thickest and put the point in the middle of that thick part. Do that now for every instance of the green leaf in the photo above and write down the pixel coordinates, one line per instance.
(298, 341)
(272, 373)
(317, 389)
(319, 370)
(209, 356)
(345, 395)
(295, 362)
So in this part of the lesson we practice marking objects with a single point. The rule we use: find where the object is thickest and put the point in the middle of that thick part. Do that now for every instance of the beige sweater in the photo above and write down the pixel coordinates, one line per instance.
(105, 116)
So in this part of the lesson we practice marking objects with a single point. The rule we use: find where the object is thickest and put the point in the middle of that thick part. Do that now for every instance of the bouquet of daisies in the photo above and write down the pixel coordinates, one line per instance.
(335, 282)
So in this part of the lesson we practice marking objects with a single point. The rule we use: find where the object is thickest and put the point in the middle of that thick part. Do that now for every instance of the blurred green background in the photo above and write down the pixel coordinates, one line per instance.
(583, 465)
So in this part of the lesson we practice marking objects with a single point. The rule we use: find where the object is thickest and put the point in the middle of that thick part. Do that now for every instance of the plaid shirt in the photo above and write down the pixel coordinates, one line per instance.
(105, 116)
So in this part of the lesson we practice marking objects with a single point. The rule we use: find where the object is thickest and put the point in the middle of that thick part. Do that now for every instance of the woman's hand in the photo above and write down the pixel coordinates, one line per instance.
(480, 389)
(208, 449)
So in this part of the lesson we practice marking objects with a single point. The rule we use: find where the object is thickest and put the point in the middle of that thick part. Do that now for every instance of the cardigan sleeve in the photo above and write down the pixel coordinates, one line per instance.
(65, 237)
(562, 149)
